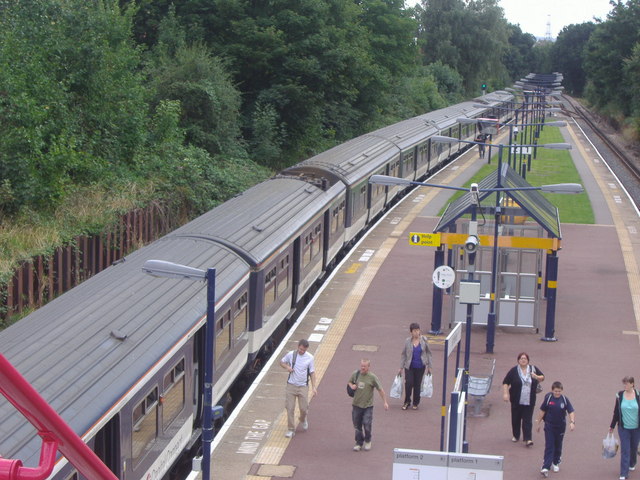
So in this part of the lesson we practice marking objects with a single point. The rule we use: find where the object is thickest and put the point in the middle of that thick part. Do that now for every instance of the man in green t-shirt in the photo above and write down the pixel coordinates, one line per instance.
(363, 382)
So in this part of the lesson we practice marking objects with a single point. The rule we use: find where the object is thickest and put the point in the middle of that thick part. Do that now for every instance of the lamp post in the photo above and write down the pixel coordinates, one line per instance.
(475, 190)
(556, 188)
(161, 268)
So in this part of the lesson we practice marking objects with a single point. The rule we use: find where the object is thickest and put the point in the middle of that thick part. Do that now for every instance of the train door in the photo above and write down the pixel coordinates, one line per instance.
(107, 445)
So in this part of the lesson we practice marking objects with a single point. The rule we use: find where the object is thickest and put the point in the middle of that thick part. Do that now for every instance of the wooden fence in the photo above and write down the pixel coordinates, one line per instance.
(41, 279)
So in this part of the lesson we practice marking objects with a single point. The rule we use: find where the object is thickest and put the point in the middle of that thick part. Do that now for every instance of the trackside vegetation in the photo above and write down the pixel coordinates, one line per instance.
(108, 105)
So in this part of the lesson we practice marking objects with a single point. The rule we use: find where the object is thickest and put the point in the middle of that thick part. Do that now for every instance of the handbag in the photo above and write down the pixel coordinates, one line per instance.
(352, 391)
(539, 385)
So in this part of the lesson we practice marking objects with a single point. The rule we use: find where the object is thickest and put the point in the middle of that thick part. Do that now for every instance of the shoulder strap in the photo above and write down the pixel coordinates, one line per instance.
(293, 363)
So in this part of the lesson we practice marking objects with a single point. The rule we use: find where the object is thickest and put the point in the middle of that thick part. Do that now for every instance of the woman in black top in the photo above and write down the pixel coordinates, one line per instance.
(519, 387)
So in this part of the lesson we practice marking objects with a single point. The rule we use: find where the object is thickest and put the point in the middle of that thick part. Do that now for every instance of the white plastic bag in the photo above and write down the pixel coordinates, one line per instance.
(396, 387)
(427, 386)
(609, 446)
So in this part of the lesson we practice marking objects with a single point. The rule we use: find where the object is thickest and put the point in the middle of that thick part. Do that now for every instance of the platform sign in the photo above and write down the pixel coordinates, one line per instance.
(429, 465)
(518, 150)
(419, 465)
(468, 466)
(424, 239)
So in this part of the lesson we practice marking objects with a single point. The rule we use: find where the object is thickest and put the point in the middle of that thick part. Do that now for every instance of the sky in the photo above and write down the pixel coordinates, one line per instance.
(533, 15)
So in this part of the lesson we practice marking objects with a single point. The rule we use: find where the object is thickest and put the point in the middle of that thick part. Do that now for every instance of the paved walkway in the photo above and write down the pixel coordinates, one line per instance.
(386, 284)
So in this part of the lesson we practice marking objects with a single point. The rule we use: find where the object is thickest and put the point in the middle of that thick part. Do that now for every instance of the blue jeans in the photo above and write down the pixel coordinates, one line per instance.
(553, 436)
(362, 421)
(629, 439)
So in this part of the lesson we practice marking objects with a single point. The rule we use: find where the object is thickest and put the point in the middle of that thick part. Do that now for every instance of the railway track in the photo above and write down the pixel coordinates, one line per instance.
(620, 159)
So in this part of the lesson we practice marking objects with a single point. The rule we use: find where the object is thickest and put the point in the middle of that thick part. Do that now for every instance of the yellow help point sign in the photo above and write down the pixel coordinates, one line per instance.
(424, 239)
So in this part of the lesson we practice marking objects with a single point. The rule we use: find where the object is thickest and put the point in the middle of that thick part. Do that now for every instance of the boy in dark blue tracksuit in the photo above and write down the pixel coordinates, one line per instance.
(553, 412)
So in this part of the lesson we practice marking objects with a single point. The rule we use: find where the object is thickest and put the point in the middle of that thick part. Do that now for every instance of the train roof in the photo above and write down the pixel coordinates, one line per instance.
(256, 223)
(352, 161)
(84, 350)
(408, 133)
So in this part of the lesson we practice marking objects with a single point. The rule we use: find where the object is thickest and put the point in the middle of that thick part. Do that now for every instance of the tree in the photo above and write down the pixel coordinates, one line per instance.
(609, 45)
(190, 74)
(73, 101)
(568, 53)
(471, 37)
(519, 57)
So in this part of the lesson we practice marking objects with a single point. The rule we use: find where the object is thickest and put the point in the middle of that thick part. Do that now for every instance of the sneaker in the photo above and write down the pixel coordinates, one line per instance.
(544, 472)
(305, 425)
(623, 478)
(367, 446)
(289, 434)
(632, 468)
(357, 448)
(514, 439)
(556, 468)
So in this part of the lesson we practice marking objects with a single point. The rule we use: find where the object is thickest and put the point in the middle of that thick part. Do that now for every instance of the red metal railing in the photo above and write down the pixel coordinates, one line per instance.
(54, 431)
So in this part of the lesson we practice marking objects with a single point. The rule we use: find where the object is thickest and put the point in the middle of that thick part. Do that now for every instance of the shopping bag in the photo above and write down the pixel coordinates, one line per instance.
(609, 446)
(427, 386)
(396, 387)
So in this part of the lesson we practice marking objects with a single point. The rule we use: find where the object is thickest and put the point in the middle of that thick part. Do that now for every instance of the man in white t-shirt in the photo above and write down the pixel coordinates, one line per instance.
(299, 363)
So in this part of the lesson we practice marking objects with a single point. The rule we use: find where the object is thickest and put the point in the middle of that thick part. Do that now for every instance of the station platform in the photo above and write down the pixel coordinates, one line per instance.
(365, 309)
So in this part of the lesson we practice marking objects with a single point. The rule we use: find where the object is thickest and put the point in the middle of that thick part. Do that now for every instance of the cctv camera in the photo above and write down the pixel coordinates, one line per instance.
(471, 244)
(474, 188)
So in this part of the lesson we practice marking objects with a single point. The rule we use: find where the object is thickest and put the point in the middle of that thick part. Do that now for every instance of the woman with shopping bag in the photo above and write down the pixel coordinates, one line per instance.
(626, 414)
(415, 359)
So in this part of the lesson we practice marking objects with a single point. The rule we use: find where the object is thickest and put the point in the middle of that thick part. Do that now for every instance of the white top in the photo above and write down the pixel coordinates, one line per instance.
(299, 375)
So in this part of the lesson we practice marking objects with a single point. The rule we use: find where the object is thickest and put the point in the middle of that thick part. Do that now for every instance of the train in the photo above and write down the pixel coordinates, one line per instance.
(121, 356)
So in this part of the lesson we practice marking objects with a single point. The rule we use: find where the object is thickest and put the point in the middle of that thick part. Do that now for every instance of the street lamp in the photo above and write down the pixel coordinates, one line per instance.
(161, 268)
(557, 188)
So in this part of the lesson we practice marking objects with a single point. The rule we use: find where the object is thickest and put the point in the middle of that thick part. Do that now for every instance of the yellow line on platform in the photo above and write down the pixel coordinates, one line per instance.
(628, 254)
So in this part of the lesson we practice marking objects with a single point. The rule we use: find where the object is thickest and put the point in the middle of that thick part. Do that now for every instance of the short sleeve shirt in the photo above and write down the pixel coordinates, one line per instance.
(304, 365)
(555, 409)
(363, 397)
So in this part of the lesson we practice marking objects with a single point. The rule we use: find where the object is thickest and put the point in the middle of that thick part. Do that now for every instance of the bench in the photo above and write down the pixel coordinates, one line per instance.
(478, 388)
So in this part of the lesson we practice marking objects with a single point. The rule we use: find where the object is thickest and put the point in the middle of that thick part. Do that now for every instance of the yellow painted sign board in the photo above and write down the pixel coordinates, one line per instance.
(424, 239)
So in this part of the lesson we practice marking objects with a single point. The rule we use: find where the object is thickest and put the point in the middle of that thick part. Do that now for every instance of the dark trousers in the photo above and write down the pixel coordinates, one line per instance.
(521, 415)
(553, 437)
(629, 439)
(412, 384)
(362, 422)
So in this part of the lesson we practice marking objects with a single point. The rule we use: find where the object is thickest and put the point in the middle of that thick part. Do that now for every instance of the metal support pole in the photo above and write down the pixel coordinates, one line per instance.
(209, 348)
(436, 304)
(552, 284)
(491, 317)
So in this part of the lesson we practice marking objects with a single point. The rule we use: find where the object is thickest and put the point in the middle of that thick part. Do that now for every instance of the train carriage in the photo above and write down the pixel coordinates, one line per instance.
(118, 357)
(351, 164)
(278, 228)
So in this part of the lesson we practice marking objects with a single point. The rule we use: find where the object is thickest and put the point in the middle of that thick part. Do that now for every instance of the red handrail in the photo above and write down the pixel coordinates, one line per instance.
(55, 433)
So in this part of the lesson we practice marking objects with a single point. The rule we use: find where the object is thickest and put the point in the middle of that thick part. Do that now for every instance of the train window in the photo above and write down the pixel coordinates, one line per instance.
(145, 421)
(270, 288)
(173, 398)
(240, 318)
(306, 254)
(223, 334)
(283, 280)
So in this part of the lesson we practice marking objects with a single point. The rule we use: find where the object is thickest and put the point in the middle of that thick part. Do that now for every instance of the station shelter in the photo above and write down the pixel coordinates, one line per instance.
(526, 228)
